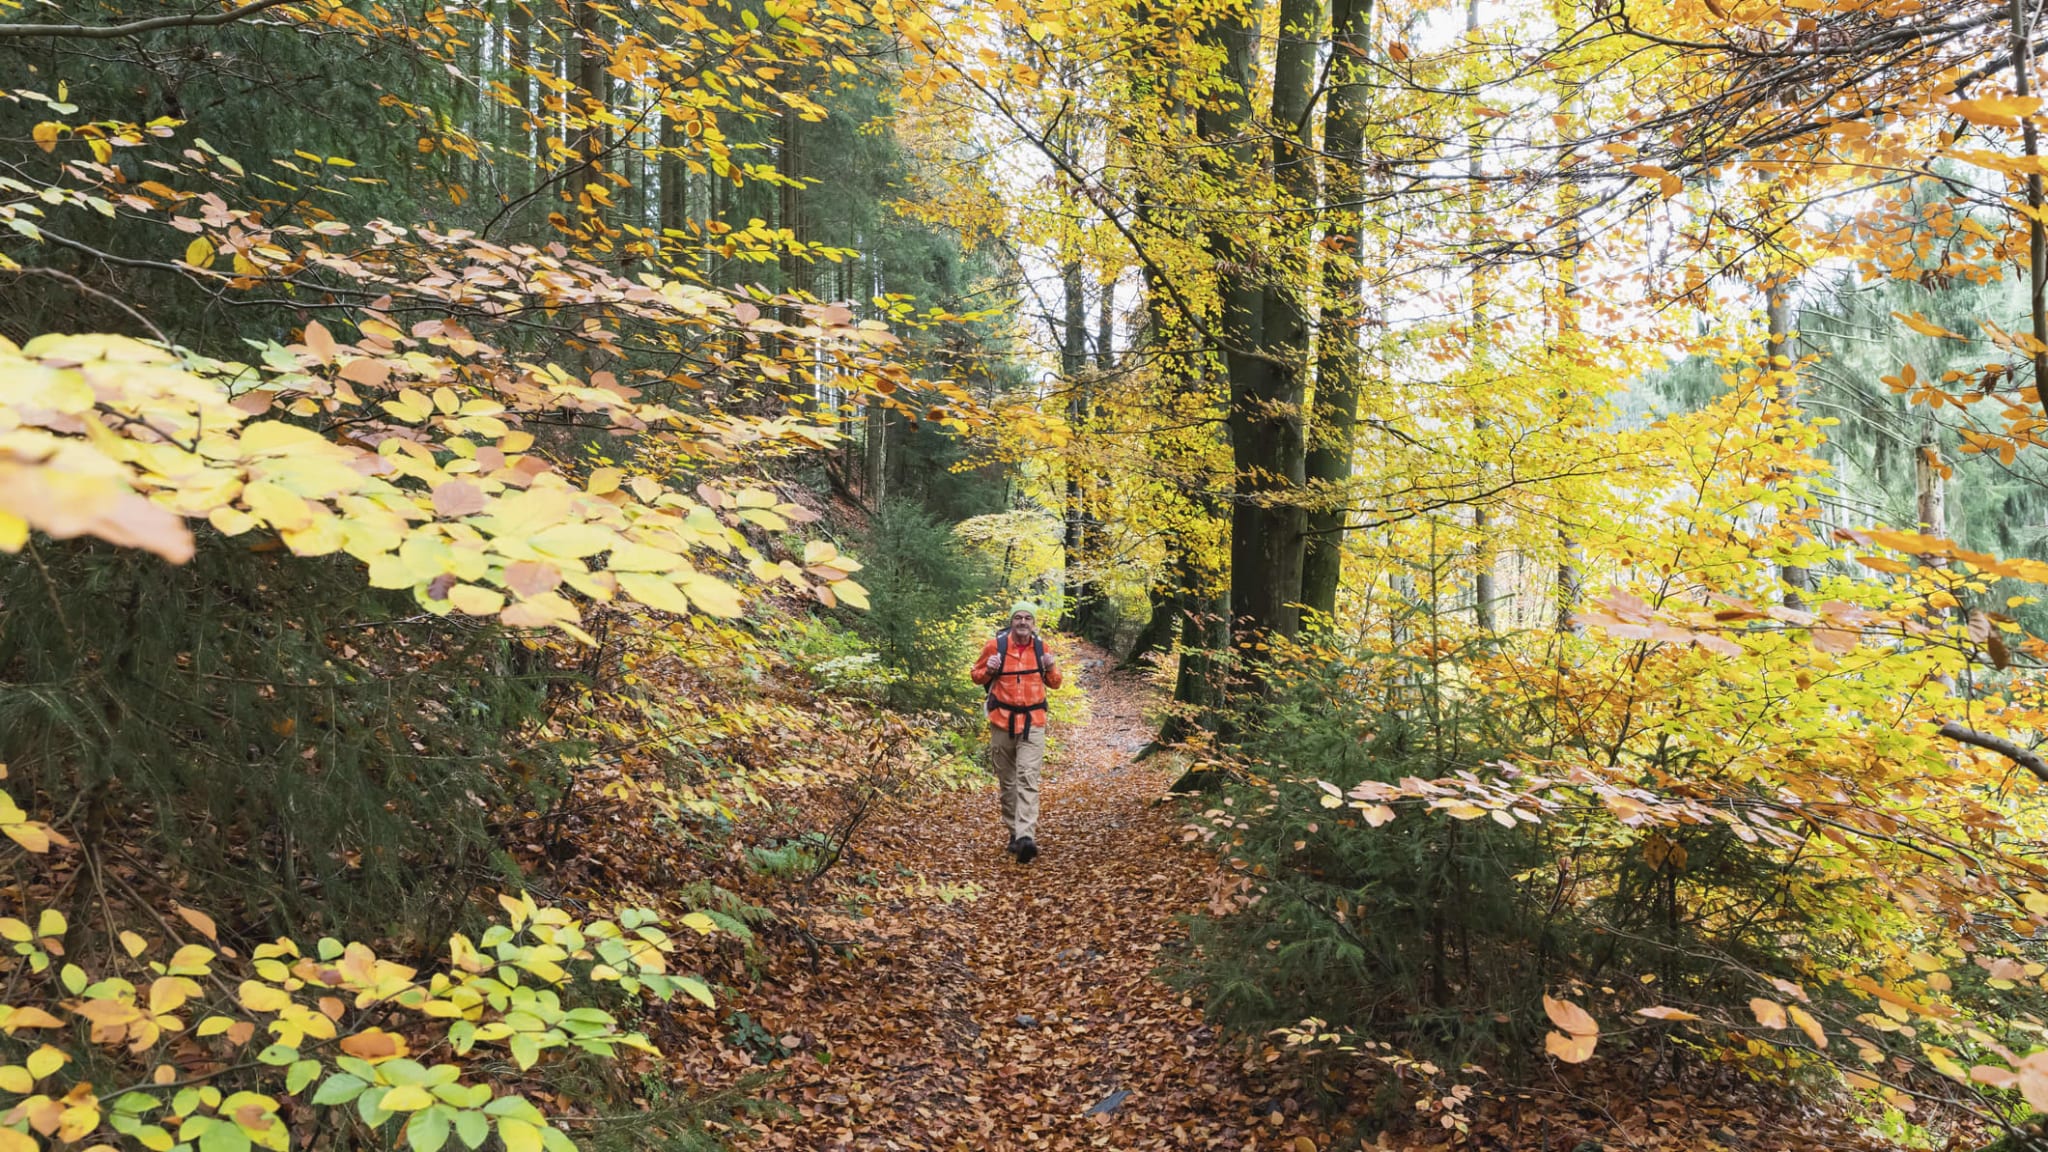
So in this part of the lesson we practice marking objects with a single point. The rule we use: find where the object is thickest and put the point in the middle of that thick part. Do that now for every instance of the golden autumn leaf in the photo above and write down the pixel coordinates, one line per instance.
(1924, 326)
(1997, 111)
(1668, 182)
(1769, 1013)
(1809, 1025)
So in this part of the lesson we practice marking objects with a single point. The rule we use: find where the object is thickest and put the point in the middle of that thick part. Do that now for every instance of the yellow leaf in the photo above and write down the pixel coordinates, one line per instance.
(45, 1060)
(712, 595)
(1924, 326)
(851, 593)
(406, 1098)
(518, 1135)
(15, 1079)
(653, 591)
(257, 996)
(476, 601)
(199, 253)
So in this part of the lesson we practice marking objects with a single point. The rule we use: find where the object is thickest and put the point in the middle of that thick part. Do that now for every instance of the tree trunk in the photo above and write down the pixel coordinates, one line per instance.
(1780, 361)
(1081, 614)
(588, 139)
(875, 469)
(1339, 361)
(2037, 235)
(531, 134)
(1269, 390)
(1568, 581)
(1930, 491)
(1481, 341)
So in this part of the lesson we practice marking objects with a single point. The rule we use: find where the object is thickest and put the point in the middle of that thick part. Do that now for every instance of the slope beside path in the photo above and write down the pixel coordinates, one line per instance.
(1007, 1007)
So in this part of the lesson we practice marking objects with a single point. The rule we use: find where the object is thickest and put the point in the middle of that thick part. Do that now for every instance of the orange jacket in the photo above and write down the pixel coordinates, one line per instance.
(1018, 685)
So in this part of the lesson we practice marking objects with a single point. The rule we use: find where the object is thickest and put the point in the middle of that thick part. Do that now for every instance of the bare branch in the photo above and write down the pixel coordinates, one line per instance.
(136, 28)
(2026, 758)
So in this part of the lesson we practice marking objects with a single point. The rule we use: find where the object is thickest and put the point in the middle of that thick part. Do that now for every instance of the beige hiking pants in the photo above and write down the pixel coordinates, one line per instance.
(1017, 761)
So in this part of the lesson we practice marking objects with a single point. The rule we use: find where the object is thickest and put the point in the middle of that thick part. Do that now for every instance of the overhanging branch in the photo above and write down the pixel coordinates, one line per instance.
(154, 23)
(2026, 758)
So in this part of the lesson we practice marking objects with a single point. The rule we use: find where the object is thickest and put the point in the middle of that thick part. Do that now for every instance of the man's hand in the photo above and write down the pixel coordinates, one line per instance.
(995, 663)
(1049, 662)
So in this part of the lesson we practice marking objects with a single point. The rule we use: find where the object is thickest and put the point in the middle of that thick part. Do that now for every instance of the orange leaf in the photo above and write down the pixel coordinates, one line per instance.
(1810, 1026)
(200, 921)
(1769, 1013)
(374, 1044)
(1570, 1017)
(1570, 1049)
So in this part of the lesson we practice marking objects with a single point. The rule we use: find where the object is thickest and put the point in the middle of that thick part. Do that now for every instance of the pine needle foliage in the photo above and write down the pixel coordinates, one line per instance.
(1441, 935)
(1418, 930)
(302, 750)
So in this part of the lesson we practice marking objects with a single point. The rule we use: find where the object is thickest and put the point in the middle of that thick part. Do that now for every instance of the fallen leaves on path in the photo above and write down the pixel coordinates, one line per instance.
(996, 1006)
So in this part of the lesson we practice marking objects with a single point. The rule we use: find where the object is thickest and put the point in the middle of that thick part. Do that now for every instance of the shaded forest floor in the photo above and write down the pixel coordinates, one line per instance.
(964, 1002)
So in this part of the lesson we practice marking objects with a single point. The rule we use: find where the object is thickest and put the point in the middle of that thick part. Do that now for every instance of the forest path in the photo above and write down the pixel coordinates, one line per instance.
(1027, 1014)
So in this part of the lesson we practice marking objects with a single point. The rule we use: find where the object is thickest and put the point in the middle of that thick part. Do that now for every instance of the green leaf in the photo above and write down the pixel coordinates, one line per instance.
(515, 1106)
(303, 1072)
(370, 1106)
(339, 1088)
(74, 979)
(223, 1137)
(525, 1049)
(473, 1127)
(278, 1055)
(556, 1140)
(698, 989)
(429, 1129)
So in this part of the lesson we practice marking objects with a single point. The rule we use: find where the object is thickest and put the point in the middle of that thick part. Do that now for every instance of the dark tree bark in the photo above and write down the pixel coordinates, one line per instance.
(1339, 362)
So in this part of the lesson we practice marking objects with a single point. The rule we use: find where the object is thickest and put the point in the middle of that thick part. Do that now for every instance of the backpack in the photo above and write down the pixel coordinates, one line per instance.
(1003, 654)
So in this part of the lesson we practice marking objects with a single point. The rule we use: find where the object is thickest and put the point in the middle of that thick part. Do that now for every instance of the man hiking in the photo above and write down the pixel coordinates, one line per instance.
(1016, 669)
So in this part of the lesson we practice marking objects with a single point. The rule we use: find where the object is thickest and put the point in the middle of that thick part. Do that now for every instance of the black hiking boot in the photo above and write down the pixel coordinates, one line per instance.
(1025, 849)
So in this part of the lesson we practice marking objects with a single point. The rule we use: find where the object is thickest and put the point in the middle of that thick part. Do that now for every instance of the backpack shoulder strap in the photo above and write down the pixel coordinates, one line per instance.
(1003, 644)
(1038, 650)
